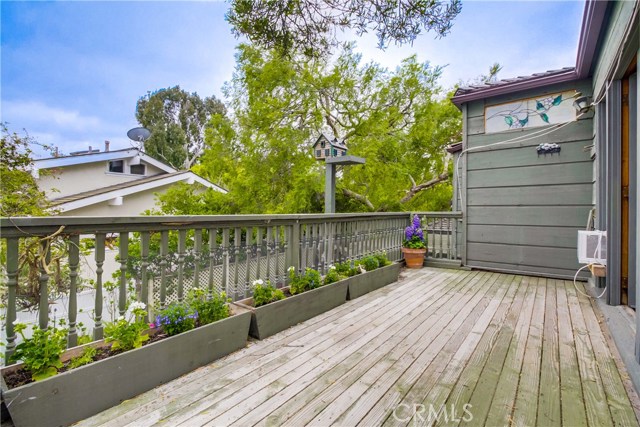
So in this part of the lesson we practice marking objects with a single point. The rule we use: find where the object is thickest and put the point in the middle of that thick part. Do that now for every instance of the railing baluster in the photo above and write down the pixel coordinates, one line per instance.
(122, 292)
(12, 263)
(247, 251)
(98, 329)
(269, 257)
(258, 252)
(44, 260)
(74, 261)
(145, 239)
(197, 253)
(225, 262)
(182, 240)
(164, 254)
(213, 242)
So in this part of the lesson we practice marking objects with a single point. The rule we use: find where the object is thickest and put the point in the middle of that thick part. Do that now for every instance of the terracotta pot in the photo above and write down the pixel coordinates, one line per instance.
(414, 257)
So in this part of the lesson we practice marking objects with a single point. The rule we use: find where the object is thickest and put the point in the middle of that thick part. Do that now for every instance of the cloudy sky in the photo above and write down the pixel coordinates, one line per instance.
(72, 71)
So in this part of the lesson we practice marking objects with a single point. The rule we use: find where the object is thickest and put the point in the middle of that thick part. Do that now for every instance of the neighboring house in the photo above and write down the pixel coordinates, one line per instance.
(523, 203)
(109, 183)
(324, 148)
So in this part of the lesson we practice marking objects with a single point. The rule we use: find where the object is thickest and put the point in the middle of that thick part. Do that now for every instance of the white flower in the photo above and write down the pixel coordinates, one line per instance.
(16, 322)
(291, 269)
(120, 318)
(332, 267)
(258, 282)
(137, 305)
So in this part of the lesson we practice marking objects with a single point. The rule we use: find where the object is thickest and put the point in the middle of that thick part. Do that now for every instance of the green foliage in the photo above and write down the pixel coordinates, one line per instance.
(177, 318)
(345, 269)
(265, 293)
(400, 121)
(20, 195)
(40, 353)
(177, 121)
(369, 263)
(382, 259)
(127, 334)
(88, 353)
(306, 281)
(332, 276)
(311, 26)
(209, 309)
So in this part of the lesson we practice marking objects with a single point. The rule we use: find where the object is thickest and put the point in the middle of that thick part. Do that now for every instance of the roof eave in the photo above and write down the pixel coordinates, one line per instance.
(515, 87)
(592, 21)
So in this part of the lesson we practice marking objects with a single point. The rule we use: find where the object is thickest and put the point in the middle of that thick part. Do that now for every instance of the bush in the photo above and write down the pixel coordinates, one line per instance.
(369, 263)
(209, 310)
(40, 353)
(265, 293)
(332, 276)
(345, 269)
(177, 318)
(300, 283)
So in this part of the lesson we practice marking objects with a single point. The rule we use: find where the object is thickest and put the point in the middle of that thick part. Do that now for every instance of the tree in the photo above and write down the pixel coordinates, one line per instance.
(20, 195)
(177, 121)
(399, 121)
(310, 26)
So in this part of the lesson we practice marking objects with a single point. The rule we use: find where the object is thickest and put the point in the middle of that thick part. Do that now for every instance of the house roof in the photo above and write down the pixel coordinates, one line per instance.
(94, 157)
(454, 148)
(333, 142)
(592, 20)
(86, 198)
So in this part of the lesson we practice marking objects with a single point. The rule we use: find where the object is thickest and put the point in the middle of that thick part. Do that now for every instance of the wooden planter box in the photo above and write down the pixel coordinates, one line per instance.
(80, 393)
(370, 281)
(276, 317)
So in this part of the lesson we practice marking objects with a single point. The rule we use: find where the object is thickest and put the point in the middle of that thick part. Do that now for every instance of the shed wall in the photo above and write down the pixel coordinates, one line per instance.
(523, 210)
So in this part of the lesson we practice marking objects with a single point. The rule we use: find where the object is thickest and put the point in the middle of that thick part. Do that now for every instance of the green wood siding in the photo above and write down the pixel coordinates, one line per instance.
(523, 210)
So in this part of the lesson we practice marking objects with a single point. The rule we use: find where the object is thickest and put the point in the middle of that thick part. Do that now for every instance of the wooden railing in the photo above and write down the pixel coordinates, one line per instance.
(108, 262)
(443, 233)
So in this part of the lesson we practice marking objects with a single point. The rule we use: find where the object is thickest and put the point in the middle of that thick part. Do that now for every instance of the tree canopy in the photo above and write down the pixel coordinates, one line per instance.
(400, 121)
(311, 26)
(177, 120)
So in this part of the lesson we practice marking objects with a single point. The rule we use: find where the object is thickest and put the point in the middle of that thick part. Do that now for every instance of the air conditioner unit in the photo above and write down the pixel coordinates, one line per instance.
(592, 247)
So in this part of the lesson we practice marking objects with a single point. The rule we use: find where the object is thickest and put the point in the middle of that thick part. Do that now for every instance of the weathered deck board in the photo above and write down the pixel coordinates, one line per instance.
(520, 350)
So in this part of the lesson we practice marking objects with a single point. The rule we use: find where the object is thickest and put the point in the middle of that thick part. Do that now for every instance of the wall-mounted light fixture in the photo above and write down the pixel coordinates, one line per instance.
(582, 104)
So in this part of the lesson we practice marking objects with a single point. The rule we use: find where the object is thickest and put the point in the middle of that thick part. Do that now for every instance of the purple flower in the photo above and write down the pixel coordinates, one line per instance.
(408, 233)
(416, 221)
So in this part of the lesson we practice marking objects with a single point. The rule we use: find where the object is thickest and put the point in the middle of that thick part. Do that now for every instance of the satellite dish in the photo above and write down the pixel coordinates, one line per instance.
(139, 134)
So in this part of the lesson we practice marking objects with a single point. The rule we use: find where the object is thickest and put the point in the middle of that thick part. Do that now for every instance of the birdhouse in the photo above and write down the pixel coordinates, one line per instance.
(325, 148)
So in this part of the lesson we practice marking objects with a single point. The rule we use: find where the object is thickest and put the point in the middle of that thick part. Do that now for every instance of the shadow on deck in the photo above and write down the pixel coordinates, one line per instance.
(450, 346)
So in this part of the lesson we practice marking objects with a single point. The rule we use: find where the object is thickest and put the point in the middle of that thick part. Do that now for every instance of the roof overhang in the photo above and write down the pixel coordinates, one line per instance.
(187, 177)
(58, 162)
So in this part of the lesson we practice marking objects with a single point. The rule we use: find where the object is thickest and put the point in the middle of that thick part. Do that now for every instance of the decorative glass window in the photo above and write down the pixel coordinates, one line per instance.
(116, 166)
(531, 112)
(137, 169)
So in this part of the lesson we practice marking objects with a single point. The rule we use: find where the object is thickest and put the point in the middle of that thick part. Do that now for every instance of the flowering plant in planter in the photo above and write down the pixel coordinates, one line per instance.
(127, 334)
(414, 247)
(413, 235)
(265, 293)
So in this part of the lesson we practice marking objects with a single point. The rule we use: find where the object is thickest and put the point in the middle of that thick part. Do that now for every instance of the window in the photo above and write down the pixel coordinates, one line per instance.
(137, 169)
(335, 153)
(322, 144)
(116, 166)
(318, 153)
(326, 152)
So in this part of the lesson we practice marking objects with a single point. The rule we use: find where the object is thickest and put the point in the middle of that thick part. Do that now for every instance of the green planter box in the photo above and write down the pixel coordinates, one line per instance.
(370, 281)
(275, 317)
(80, 393)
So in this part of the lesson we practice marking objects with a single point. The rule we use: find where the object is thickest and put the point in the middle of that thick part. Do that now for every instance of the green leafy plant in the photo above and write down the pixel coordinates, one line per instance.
(306, 281)
(382, 259)
(209, 309)
(40, 354)
(265, 293)
(345, 269)
(84, 359)
(413, 234)
(369, 263)
(127, 334)
(332, 276)
(177, 318)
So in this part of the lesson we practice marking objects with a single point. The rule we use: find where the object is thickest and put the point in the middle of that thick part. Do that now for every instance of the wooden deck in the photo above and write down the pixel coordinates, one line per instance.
(442, 347)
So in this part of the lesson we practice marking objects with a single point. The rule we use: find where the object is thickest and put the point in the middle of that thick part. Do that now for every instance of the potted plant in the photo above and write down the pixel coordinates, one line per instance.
(413, 246)
(370, 273)
(70, 396)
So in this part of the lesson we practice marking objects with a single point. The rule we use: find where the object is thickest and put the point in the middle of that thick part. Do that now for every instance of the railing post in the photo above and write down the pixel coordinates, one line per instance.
(74, 260)
(294, 247)
(164, 253)
(197, 253)
(213, 242)
(237, 237)
(258, 252)
(182, 237)
(13, 257)
(247, 250)
(122, 293)
(145, 239)
(98, 329)
(225, 261)
(44, 260)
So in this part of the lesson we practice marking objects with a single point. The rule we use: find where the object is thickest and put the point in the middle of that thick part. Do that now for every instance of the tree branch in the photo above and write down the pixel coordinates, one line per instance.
(425, 185)
(358, 197)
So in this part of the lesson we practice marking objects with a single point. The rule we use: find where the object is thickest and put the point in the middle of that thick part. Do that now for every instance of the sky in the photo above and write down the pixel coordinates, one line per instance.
(72, 71)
